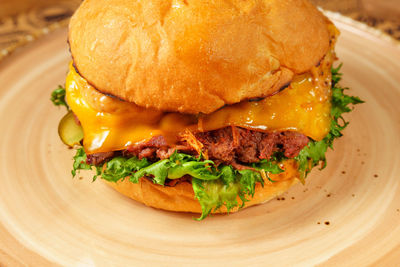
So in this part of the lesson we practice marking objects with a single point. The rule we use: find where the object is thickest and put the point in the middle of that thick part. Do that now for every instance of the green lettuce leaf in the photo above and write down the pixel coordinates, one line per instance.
(177, 166)
(58, 97)
(158, 171)
(269, 166)
(80, 162)
(213, 194)
(120, 168)
(213, 186)
(248, 180)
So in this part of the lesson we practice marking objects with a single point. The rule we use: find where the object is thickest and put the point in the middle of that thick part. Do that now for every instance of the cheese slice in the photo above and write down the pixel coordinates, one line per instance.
(110, 124)
(303, 107)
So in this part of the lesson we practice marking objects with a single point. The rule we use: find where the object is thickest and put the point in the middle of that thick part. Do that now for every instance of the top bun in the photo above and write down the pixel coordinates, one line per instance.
(195, 56)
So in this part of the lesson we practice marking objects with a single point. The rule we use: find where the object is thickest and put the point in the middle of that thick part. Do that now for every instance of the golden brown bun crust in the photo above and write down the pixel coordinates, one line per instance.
(181, 196)
(193, 55)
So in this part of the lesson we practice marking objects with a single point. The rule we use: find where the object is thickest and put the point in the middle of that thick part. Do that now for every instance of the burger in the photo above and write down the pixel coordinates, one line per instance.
(201, 106)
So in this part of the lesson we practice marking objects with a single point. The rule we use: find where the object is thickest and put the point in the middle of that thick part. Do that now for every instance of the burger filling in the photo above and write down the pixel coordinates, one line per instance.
(230, 145)
(223, 154)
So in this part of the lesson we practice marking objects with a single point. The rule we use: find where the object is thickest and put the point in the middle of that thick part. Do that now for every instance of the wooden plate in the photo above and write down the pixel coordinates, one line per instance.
(346, 215)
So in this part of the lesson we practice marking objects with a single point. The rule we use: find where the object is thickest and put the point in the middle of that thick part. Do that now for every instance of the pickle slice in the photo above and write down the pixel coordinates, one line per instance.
(69, 131)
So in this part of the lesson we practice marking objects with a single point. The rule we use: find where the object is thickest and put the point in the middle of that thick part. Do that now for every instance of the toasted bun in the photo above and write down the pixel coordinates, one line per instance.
(195, 56)
(181, 196)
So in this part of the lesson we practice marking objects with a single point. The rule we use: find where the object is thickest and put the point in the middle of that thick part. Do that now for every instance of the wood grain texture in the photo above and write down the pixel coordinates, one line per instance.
(389, 9)
(35, 19)
(47, 218)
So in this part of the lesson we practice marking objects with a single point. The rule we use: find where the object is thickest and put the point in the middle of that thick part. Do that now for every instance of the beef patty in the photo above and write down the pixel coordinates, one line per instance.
(229, 145)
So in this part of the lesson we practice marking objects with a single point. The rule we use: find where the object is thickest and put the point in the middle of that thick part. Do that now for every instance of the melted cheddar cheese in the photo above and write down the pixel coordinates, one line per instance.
(112, 124)
(303, 107)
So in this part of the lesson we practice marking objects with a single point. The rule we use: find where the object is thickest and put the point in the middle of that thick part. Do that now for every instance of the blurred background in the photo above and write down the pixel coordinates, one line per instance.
(23, 20)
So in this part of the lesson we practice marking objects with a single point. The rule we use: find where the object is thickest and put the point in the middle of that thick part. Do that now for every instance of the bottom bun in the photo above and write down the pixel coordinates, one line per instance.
(181, 196)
